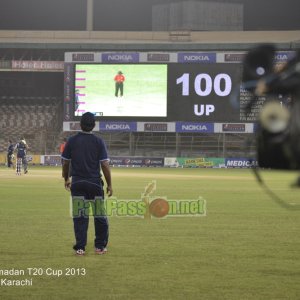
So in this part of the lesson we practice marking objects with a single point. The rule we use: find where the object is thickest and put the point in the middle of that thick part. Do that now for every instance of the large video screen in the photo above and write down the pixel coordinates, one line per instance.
(121, 90)
(163, 87)
(172, 92)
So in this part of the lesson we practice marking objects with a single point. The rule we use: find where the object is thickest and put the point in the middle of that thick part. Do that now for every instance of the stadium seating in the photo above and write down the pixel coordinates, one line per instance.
(38, 119)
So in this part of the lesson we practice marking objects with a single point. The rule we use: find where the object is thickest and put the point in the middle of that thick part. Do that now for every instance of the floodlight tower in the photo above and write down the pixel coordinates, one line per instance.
(90, 15)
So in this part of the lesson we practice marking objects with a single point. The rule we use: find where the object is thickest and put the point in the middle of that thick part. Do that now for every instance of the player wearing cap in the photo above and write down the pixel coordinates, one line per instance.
(87, 155)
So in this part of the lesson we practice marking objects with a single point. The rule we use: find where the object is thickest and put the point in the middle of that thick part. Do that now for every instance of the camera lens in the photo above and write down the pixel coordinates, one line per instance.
(274, 117)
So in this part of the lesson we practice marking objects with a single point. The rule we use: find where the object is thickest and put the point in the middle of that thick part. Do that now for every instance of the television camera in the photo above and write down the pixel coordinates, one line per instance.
(278, 128)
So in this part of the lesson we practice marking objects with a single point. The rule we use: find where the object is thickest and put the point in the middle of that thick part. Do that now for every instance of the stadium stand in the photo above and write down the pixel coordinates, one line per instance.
(38, 119)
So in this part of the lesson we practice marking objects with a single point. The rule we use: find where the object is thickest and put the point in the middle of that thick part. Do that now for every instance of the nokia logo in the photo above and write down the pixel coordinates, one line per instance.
(117, 127)
(194, 127)
(120, 57)
(196, 57)
(281, 57)
(126, 57)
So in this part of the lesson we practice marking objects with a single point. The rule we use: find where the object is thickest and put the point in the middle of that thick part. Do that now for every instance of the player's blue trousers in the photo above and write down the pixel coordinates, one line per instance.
(89, 190)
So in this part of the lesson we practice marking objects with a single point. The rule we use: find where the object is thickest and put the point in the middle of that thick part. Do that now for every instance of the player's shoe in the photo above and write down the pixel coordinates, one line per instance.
(25, 172)
(100, 251)
(80, 252)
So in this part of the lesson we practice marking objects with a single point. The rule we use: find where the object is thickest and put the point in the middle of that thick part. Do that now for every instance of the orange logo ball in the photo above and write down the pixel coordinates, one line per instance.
(159, 208)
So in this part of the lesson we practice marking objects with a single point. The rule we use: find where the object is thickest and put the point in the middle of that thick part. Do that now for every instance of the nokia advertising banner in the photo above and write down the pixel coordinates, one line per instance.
(118, 126)
(194, 127)
(120, 57)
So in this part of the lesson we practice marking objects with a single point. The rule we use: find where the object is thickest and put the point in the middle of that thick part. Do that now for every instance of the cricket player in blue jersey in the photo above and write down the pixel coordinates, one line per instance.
(10, 154)
(21, 149)
(87, 155)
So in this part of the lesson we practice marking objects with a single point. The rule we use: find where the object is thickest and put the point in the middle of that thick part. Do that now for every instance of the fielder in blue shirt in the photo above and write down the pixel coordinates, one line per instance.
(10, 154)
(86, 155)
(21, 148)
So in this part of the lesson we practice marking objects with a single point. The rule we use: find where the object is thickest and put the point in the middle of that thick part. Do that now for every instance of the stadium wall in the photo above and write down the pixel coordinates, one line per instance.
(146, 41)
(137, 162)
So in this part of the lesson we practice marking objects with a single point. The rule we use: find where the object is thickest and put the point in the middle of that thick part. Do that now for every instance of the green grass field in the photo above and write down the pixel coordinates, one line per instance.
(246, 247)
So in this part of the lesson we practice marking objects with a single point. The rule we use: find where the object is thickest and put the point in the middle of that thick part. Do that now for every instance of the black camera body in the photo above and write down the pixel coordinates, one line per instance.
(278, 128)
